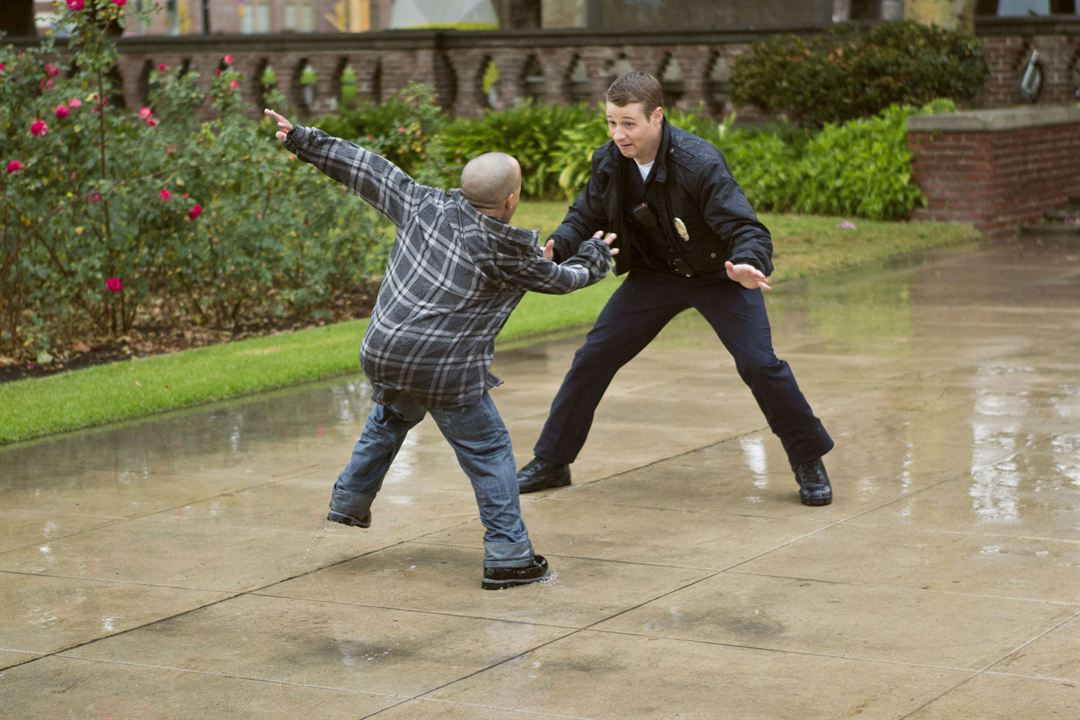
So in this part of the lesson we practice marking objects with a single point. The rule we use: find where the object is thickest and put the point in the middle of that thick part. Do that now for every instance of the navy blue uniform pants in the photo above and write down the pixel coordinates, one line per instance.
(636, 312)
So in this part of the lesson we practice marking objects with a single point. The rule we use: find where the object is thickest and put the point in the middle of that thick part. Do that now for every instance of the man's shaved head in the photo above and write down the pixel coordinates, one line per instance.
(489, 179)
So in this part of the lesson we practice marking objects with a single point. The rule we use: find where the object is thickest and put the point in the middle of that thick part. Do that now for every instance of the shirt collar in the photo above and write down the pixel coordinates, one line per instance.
(495, 228)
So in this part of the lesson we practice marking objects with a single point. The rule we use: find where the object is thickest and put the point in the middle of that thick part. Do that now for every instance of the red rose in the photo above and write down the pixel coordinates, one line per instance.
(164, 195)
(119, 3)
(228, 59)
(145, 113)
(62, 111)
(14, 166)
(51, 70)
(39, 128)
(76, 5)
(114, 284)
(195, 212)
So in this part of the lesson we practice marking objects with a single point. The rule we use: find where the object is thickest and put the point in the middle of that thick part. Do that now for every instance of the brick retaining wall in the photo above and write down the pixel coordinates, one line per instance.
(996, 168)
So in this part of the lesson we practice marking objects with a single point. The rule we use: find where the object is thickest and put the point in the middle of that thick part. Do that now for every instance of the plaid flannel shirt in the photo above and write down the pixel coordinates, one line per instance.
(453, 279)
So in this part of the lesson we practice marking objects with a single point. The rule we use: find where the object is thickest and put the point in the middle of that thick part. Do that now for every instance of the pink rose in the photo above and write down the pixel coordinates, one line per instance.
(51, 70)
(76, 5)
(234, 84)
(145, 113)
(228, 59)
(14, 166)
(195, 211)
(114, 284)
(39, 128)
(62, 111)
(75, 103)
(170, 149)
(401, 131)
(164, 195)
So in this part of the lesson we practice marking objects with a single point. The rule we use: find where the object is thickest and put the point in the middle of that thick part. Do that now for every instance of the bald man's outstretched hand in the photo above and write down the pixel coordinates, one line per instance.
(284, 126)
(549, 246)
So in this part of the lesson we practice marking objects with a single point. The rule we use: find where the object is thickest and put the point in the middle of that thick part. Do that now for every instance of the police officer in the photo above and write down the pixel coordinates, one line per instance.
(689, 238)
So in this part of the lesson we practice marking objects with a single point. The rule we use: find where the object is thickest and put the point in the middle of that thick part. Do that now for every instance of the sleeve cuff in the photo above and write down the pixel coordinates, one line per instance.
(296, 138)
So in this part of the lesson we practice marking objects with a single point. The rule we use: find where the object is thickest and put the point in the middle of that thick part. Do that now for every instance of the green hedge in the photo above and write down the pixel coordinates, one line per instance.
(852, 71)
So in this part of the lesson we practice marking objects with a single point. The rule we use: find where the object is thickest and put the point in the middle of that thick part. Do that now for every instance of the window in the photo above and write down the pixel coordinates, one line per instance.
(255, 16)
(299, 16)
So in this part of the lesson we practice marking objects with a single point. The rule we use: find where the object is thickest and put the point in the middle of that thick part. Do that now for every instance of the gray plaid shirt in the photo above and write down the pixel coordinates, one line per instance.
(454, 277)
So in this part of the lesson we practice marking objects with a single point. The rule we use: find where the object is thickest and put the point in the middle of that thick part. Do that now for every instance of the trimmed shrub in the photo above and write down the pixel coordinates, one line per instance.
(853, 71)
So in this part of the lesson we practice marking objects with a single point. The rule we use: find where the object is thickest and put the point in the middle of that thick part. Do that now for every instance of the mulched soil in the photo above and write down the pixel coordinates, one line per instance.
(146, 340)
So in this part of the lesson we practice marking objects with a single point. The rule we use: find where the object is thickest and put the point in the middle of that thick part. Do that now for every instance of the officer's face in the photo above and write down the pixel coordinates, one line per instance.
(636, 135)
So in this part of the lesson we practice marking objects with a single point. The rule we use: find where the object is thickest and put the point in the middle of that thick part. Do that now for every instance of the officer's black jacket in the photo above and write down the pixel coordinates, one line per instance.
(692, 182)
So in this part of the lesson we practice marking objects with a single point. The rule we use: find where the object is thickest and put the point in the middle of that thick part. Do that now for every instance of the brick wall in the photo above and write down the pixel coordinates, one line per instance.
(996, 168)
(1007, 45)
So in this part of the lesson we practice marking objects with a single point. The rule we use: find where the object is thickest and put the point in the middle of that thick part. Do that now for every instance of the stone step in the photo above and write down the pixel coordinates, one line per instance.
(1065, 216)
(1053, 234)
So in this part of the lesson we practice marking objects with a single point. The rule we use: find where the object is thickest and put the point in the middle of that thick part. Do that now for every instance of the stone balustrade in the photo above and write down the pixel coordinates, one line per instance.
(550, 65)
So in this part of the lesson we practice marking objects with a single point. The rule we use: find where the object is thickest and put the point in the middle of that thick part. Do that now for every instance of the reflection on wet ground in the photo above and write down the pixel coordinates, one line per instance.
(181, 567)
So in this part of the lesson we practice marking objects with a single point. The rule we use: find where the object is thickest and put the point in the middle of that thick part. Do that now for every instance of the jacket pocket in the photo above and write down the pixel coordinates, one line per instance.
(705, 252)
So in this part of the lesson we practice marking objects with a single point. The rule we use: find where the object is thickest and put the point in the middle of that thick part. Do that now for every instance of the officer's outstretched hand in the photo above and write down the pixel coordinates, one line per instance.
(284, 126)
(747, 275)
(549, 250)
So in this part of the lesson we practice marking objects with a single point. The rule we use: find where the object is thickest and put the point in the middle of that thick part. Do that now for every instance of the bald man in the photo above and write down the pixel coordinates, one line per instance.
(456, 272)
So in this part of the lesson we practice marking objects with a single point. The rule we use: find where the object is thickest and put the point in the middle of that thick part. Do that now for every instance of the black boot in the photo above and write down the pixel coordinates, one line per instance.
(497, 578)
(541, 475)
(361, 520)
(814, 487)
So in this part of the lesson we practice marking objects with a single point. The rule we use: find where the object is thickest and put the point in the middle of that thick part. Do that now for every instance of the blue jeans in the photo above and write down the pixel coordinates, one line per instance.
(482, 445)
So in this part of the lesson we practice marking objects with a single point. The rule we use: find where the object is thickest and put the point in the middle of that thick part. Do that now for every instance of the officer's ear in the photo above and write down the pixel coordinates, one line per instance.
(657, 116)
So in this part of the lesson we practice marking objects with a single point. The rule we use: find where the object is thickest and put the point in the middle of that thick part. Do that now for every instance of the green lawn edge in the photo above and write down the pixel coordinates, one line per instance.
(32, 408)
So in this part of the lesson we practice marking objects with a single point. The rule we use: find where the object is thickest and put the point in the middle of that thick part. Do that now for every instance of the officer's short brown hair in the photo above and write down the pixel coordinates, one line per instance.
(636, 87)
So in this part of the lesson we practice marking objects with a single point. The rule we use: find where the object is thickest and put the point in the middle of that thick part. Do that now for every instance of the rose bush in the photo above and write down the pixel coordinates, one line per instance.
(180, 213)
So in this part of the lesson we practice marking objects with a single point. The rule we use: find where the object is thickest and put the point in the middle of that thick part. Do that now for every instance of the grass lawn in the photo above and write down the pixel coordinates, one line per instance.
(804, 246)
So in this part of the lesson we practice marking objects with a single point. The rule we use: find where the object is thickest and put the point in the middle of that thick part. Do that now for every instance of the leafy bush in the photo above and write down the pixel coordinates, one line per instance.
(574, 151)
(115, 220)
(764, 165)
(530, 132)
(400, 129)
(862, 168)
(852, 71)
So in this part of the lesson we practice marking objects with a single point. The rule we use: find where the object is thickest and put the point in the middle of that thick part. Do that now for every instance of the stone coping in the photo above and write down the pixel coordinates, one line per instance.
(996, 120)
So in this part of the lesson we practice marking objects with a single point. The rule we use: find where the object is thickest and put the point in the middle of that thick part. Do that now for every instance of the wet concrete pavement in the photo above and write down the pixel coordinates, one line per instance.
(181, 568)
